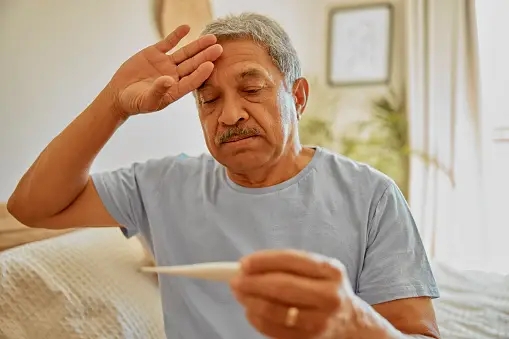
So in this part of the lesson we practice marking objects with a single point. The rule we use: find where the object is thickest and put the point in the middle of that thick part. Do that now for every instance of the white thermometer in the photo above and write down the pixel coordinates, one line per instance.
(218, 271)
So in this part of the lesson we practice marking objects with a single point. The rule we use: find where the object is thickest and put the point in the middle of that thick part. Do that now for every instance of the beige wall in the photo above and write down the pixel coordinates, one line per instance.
(57, 54)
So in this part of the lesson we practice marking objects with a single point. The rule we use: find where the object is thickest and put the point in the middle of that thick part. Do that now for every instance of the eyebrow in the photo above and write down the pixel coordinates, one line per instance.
(250, 73)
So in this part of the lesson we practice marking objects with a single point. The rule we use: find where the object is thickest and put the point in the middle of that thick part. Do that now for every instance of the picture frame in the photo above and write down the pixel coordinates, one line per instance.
(360, 44)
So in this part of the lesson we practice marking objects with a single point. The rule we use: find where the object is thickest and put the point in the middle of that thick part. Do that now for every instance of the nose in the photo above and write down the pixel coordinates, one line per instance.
(232, 112)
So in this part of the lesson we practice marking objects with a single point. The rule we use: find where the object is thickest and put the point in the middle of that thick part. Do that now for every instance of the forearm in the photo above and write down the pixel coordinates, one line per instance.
(61, 171)
(366, 323)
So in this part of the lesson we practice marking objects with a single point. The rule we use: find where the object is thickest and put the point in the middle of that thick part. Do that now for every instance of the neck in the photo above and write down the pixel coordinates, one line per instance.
(284, 168)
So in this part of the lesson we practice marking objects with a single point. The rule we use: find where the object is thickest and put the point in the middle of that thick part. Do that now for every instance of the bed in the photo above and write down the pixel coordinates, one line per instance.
(85, 284)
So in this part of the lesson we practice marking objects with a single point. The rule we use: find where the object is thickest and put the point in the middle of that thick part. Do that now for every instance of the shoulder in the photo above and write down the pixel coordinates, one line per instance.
(158, 173)
(356, 178)
(154, 175)
(176, 167)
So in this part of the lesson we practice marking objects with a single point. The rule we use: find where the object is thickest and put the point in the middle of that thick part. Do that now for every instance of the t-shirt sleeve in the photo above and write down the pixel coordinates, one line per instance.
(396, 265)
(120, 193)
(124, 192)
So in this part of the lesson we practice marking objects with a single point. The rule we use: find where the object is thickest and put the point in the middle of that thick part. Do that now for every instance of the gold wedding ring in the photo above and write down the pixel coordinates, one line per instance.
(291, 316)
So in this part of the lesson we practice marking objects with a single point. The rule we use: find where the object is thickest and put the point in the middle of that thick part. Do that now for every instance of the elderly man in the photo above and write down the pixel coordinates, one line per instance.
(328, 246)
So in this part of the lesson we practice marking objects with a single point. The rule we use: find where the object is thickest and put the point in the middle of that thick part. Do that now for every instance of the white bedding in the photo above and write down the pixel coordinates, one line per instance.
(86, 285)
(473, 305)
(82, 285)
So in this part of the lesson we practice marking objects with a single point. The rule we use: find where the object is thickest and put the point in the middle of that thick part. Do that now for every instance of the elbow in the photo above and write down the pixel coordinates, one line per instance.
(18, 209)
(12, 206)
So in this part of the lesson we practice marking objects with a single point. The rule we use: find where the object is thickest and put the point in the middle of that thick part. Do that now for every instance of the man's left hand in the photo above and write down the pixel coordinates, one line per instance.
(295, 295)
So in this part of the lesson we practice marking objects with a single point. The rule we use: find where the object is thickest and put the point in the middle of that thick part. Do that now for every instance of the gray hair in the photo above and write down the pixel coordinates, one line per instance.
(265, 31)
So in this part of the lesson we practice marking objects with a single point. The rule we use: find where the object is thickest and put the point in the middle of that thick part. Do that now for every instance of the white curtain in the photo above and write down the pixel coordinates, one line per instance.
(446, 185)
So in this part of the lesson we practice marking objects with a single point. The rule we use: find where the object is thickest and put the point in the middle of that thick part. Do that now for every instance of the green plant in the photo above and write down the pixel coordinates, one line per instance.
(316, 127)
(317, 131)
(382, 140)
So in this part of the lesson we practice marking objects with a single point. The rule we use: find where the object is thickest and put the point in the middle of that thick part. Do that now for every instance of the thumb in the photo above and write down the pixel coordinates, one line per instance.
(160, 86)
(158, 95)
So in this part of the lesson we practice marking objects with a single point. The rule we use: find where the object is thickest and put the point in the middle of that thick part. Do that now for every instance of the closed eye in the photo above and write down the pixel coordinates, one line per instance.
(209, 101)
(252, 90)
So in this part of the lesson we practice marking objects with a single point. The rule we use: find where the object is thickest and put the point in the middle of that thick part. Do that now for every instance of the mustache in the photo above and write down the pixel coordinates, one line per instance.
(236, 132)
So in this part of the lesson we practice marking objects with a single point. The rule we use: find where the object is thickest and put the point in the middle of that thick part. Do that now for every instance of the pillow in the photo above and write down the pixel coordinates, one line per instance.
(13, 233)
(81, 285)
(472, 304)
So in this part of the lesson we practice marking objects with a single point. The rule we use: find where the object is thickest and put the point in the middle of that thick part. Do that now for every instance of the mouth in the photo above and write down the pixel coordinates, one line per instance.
(238, 138)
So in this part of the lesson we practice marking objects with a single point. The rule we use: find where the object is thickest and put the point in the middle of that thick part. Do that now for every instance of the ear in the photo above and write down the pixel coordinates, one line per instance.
(300, 93)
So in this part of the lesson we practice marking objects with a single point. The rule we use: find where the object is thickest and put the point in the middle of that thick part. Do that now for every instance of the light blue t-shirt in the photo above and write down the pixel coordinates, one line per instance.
(189, 211)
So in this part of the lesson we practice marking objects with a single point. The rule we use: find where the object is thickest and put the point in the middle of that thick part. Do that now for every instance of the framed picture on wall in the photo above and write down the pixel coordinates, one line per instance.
(360, 45)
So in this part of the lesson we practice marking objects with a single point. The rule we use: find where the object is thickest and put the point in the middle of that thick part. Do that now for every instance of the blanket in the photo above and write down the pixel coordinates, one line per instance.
(473, 305)
(84, 284)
